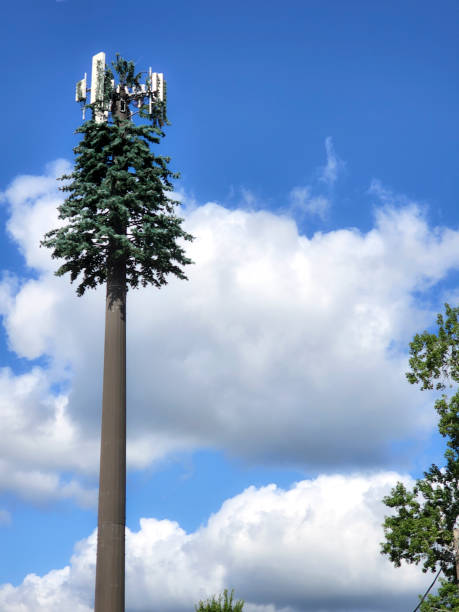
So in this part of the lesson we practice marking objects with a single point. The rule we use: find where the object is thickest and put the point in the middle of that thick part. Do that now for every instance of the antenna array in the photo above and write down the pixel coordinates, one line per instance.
(154, 90)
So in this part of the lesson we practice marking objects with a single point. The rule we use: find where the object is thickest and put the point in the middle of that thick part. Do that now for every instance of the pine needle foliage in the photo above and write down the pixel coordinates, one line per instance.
(222, 604)
(421, 529)
(117, 210)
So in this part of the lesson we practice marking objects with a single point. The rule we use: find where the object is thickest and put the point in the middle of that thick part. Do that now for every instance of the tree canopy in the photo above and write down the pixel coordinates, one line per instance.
(421, 530)
(224, 603)
(117, 209)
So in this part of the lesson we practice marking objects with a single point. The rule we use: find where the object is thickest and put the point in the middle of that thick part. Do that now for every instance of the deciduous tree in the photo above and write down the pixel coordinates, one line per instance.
(422, 528)
(222, 604)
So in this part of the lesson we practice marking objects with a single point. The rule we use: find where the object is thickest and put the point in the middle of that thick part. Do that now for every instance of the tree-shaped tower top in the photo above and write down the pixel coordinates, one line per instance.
(106, 96)
(117, 211)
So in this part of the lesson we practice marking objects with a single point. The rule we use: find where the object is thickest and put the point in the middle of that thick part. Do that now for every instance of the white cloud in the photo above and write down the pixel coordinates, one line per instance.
(248, 198)
(315, 546)
(39, 440)
(33, 201)
(280, 347)
(387, 196)
(330, 172)
(301, 200)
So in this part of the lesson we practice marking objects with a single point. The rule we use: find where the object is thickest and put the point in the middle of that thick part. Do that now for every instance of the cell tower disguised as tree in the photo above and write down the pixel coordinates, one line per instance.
(119, 228)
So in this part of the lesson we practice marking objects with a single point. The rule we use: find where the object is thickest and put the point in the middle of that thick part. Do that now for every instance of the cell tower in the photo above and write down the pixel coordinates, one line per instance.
(118, 99)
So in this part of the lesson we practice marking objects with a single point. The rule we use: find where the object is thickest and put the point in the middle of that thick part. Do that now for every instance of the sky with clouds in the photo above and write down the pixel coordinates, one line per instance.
(268, 410)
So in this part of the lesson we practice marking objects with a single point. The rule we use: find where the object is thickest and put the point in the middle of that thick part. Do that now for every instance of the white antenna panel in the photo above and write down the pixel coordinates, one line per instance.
(80, 93)
(154, 81)
(97, 77)
(157, 88)
(153, 87)
(161, 86)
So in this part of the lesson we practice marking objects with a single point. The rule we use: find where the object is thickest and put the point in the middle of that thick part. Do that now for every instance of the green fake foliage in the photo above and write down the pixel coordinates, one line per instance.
(421, 529)
(125, 72)
(222, 604)
(117, 211)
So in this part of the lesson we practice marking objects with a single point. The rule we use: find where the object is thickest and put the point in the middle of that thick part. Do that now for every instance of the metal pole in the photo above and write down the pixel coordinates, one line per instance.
(110, 566)
(456, 552)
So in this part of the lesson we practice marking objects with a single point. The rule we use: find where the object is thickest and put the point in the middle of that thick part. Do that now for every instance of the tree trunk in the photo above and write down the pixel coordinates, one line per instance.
(112, 480)
(456, 552)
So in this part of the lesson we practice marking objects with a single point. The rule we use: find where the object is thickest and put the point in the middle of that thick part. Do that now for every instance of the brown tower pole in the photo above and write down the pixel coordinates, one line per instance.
(456, 552)
(110, 567)
(119, 199)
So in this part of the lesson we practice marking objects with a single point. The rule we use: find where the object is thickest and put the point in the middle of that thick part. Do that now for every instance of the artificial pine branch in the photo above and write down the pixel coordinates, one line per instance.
(117, 206)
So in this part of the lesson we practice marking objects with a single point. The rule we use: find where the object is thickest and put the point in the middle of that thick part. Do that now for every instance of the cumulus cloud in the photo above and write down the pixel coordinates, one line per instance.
(34, 199)
(314, 546)
(280, 348)
(39, 435)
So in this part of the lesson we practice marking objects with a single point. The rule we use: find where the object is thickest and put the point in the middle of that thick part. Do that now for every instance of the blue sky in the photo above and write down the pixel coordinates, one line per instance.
(317, 146)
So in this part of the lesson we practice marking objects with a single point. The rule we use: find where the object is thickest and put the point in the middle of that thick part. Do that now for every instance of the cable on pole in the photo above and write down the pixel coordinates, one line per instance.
(425, 594)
